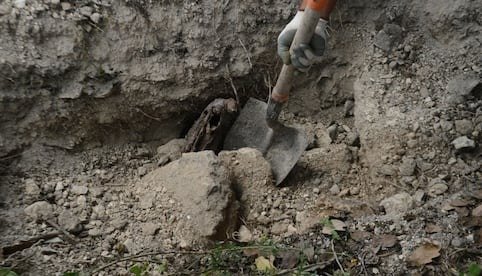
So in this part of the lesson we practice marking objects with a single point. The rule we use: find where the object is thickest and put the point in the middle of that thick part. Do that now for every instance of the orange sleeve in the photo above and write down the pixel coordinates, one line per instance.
(324, 7)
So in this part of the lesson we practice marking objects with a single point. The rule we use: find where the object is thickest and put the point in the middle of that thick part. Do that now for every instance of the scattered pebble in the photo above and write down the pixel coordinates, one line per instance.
(463, 142)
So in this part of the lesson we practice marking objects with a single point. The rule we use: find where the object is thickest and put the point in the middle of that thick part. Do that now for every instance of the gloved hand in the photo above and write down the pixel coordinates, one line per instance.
(307, 54)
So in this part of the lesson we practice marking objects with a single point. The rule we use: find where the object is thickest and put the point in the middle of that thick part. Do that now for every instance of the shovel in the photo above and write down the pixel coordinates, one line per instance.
(257, 125)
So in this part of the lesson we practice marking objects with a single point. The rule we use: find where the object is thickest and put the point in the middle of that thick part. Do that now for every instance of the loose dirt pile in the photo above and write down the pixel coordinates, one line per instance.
(92, 94)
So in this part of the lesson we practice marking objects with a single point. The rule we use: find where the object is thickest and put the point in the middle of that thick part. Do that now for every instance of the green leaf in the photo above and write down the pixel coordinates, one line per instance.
(136, 270)
(73, 273)
(474, 270)
(7, 272)
(162, 267)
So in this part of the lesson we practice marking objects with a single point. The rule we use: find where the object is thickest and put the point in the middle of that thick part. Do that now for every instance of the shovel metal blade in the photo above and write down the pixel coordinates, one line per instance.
(282, 146)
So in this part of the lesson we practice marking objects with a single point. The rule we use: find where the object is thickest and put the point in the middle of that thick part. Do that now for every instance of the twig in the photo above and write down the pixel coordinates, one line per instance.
(95, 26)
(69, 236)
(307, 268)
(336, 257)
(235, 91)
(7, 78)
(362, 260)
(11, 249)
(247, 54)
(148, 116)
(201, 252)
(130, 258)
(26, 257)
(11, 156)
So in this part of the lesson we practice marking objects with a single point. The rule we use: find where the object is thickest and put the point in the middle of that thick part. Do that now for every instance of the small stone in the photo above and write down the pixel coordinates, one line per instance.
(463, 142)
(335, 189)
(279, 227)
(96, 191)
(354, 190)
(477, 212)
(95, 17)
(40, 210)
(263, 219)
(86, 11)
(81, 201)
(118, 223)
(461, 87)
(54, 2)
(69, 222)
(332, 131)
(59, 186)
(419, 195)
(20, 4)
(452, 161)
(398, 204)
(31, 188)
(99, 210)
(149, 228)
(353, 139)
(5, 9)
(291, 230)
(407, 168)
(349, 107)
(437, 187)
(66, 6)
(244, 235)
(464, 127)
(141, 171)
(393, 64)
(387, 170)
(94, 232)
(316, 190)
(457, 242)
(388, 37)
(79, 190)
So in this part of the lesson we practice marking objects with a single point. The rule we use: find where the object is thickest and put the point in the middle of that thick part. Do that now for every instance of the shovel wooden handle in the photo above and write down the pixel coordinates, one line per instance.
(303, 35)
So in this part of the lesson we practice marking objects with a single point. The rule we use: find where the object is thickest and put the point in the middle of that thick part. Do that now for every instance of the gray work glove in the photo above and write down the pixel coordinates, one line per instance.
(306, 54)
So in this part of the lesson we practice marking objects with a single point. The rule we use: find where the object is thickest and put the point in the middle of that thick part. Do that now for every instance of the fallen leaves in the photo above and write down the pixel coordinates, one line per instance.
(264, 265)
(433, 228)
(332, 225)
(386, 241)
(424, 254)
(359, 235)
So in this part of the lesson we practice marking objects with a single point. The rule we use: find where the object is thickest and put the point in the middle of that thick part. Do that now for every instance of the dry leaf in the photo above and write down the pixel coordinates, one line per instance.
(335, 225)
(289, 260)
(358, 235)
(248, 252)
(433, 228)
(424, 254)
(386, 241)
(264, 265)
(309, 253)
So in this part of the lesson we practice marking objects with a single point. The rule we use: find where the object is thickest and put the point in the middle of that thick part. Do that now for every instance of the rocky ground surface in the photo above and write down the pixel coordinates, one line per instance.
(96, 97)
